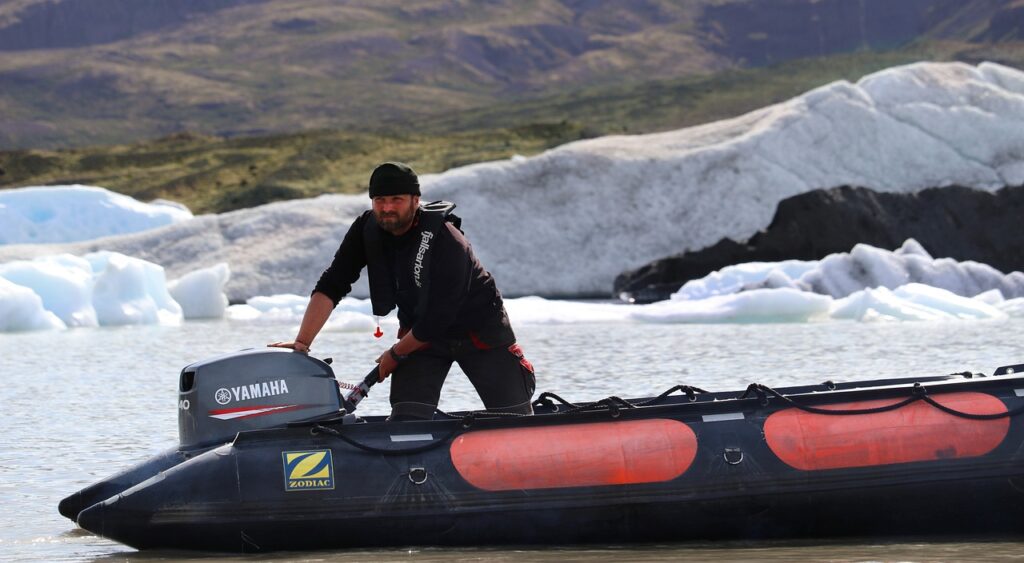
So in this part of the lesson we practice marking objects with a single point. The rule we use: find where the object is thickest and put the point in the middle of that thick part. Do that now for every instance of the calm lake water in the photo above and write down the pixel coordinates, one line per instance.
(82, 404)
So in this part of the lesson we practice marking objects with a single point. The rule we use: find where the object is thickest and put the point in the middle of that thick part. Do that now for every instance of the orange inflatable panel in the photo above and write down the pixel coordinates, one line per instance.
(575, 455)
(916, 432)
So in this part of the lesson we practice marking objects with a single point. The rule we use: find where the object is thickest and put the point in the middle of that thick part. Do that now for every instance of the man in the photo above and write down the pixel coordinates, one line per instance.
(449, 308)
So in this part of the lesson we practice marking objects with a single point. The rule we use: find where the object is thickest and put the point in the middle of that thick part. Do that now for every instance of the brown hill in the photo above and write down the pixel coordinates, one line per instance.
(75, 72)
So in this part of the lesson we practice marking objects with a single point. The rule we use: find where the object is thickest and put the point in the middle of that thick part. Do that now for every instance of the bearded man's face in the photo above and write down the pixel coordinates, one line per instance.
(395, 213)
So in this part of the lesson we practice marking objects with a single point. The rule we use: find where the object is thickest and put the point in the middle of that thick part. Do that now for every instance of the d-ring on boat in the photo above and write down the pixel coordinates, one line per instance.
(272, 457)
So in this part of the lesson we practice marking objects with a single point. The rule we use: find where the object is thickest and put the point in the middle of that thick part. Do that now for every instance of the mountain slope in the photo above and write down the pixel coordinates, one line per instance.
(79, 72)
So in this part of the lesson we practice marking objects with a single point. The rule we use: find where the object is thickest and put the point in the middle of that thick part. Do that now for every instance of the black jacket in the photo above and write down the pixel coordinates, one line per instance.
(462, 294)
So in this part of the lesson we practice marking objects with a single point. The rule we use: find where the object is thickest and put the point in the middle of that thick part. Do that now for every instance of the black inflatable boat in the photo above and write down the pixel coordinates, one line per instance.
(270, 460)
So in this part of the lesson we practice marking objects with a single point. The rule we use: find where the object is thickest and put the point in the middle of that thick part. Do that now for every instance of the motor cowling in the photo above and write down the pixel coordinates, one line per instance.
(249, 390)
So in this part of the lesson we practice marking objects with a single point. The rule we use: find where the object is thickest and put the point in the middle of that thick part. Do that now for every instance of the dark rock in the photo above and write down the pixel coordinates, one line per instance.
(954, 222)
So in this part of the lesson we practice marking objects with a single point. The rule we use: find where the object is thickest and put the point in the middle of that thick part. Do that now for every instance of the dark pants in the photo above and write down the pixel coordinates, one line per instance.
(490, 357)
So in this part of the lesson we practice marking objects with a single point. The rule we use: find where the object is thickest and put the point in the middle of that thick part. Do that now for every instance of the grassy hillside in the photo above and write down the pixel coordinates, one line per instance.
(211, 174)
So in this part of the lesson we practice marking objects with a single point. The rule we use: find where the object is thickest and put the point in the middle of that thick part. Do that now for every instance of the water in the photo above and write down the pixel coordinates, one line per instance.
(82, 404)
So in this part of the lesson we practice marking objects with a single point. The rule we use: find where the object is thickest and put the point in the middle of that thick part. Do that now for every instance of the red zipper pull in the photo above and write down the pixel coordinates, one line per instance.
(378, 333)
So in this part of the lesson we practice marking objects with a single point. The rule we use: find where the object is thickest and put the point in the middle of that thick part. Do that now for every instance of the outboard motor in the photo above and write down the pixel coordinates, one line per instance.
(217, 398)
(249, 390)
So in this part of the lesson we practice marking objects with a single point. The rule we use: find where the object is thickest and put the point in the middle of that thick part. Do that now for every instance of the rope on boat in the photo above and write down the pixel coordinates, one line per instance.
(547, 399)
(691, 394)
(918, 393)
(469, 417)
(614, 406)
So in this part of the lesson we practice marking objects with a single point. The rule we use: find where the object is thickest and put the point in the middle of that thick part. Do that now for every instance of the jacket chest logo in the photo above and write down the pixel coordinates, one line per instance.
(417, 266)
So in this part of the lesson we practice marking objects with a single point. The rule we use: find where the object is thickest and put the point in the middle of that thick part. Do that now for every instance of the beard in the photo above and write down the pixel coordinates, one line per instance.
(396, 221)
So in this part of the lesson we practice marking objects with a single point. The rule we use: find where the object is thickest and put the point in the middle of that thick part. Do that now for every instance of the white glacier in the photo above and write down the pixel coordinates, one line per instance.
(911, 302)
(124, 290)
(103, 289)
(54, 214)
(566, 222)
(63, 282)
(842, 274)
(755, 306)
(201, 293)
(21, 309)
(733, 279)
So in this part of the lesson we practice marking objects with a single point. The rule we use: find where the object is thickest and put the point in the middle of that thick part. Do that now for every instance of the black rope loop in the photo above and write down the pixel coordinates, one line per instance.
(545, 400)
(760, 391)
(611, 405)
(691, 394)
(615, 405)
(621, 402)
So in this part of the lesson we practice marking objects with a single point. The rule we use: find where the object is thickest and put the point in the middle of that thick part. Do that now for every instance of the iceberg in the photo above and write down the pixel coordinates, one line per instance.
(201, 293)
(56, 214)
(842, 274)
(21, 309)
(104, 289)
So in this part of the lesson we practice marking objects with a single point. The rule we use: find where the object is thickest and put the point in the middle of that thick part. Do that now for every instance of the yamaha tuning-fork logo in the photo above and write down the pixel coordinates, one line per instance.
(308, 471)
(259, 390)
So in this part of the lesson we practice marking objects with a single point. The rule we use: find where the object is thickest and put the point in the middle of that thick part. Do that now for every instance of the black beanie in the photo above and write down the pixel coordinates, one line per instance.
(393, 178)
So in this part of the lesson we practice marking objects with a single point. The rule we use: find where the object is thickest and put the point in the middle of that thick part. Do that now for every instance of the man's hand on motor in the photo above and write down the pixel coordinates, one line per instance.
(294, 345)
